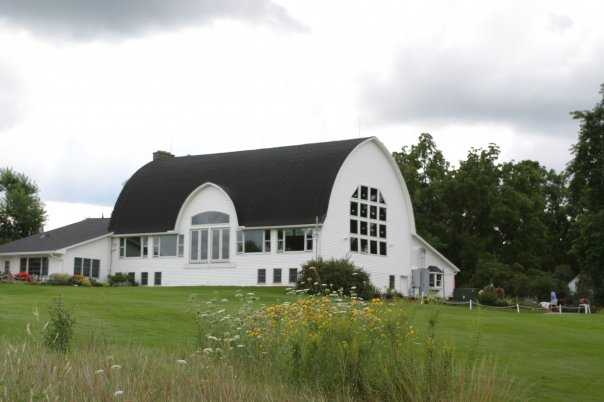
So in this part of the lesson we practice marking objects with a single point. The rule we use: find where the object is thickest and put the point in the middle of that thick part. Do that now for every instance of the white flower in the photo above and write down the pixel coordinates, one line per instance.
(353, 287)
(240, 346)
(116, 367)
(207, 351)
(101, 371)
(118, 392)
(180, 361)
(212, 338)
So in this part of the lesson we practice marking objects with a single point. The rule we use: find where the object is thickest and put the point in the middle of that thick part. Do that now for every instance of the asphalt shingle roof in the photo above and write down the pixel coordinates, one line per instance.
(269, 187)
(59, 238)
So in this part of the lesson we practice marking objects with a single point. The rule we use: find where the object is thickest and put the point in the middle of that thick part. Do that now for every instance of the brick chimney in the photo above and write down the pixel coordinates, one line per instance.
(162, 155)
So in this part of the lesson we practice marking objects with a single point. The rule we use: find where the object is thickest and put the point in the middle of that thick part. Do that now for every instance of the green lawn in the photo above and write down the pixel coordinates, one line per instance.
(560, 357)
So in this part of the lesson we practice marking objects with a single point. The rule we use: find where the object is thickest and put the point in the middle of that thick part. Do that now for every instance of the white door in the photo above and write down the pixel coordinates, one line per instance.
(404, 285)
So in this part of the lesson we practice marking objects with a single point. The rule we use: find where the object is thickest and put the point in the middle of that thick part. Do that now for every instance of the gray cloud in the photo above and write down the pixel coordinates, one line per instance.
(495, 83)
(87, 19)
(9, 98)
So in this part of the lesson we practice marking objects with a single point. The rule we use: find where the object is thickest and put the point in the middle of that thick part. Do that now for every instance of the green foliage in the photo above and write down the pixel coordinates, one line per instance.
(587, 195)
(340, 275)
(60, 279)
(344, 347)
(21, 211)
(503, 223)
(120, 279)
(59, 331)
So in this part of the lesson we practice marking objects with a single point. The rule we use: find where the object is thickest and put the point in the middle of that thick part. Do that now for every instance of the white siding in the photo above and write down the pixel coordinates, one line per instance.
(434, 259)
(97, 249)
(241, 270)
(369, 165)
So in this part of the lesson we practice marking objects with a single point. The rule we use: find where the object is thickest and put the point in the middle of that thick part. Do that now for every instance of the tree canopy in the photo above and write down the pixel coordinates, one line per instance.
(514, 224)
(21, 211)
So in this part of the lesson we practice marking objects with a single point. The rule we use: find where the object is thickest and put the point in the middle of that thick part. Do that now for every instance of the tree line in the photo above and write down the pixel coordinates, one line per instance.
(515, 224)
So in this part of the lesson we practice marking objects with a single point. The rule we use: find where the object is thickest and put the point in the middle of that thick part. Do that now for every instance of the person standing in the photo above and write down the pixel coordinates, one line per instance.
(553, 299)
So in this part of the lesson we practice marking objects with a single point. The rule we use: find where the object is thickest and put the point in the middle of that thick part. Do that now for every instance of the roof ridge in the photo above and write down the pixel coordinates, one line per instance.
(359, 139)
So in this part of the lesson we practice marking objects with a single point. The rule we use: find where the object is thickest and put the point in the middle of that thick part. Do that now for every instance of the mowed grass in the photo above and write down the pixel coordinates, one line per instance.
(559, 357)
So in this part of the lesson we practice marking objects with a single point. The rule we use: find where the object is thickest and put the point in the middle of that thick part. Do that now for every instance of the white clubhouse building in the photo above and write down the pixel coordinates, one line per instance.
(250, 218)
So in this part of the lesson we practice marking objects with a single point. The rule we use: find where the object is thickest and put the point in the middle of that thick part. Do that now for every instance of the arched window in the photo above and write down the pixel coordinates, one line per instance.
(209, 218)
(211, 242)
(368, 223)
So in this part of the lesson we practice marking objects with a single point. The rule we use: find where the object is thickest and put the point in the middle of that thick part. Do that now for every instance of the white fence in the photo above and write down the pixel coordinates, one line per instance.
(519, 307)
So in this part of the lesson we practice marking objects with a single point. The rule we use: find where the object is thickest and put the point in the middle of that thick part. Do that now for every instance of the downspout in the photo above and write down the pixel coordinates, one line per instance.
(316, 231)
(110, 255)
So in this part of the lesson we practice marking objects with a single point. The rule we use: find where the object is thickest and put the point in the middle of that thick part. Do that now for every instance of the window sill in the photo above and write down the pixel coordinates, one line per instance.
(210, 265)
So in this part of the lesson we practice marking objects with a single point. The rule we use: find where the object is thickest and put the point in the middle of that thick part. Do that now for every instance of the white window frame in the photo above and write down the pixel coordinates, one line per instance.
(144, 246)
(309, 235)
(210, 229)
(157, 246)
(377, 204)
(266, 241)
(437, 279)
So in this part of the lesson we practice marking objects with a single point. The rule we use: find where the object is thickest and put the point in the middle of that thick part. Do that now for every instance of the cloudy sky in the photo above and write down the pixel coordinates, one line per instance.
(90, 88)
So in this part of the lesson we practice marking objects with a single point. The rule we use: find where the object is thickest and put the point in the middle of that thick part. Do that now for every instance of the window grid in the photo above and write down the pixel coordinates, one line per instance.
(368, 221)
(210, 245)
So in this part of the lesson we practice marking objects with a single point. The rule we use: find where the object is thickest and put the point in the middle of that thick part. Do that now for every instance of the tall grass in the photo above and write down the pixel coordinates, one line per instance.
(338, 345)
(314, 349)
(29, 372)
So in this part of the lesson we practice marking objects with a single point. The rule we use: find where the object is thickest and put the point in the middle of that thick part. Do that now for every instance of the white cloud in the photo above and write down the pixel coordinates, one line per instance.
(64, 213)
(89, 19)
(10, 97)
(91, 112)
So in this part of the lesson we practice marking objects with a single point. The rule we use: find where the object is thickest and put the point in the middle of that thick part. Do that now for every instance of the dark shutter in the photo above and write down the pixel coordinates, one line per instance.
(44, 266)
(157, 279)
(23, 266)
(96, 267)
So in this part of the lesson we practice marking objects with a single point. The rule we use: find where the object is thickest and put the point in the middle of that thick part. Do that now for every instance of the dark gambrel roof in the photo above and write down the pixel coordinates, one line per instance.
(60, 238)
(269, 187)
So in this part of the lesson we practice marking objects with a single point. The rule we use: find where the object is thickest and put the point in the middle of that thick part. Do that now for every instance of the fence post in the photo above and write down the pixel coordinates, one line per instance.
(517, 308)
(470, 304)
(560, 308)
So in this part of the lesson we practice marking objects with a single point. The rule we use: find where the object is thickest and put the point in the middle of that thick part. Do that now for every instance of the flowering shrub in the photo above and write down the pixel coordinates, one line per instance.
(80, 280)
(325, 276)
(335, 344)
(23, 276)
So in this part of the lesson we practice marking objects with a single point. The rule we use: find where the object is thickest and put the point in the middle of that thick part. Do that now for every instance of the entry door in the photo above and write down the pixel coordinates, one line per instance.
(404, 285)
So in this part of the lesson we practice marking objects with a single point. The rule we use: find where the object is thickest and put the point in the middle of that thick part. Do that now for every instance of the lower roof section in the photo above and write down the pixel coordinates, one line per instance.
(60, 238)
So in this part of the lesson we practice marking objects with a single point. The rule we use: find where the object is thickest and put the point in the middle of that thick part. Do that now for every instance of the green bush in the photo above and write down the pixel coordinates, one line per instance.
(326, 276)
(491, 296)
(59, 331)
(59, 279)
(120, 279)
